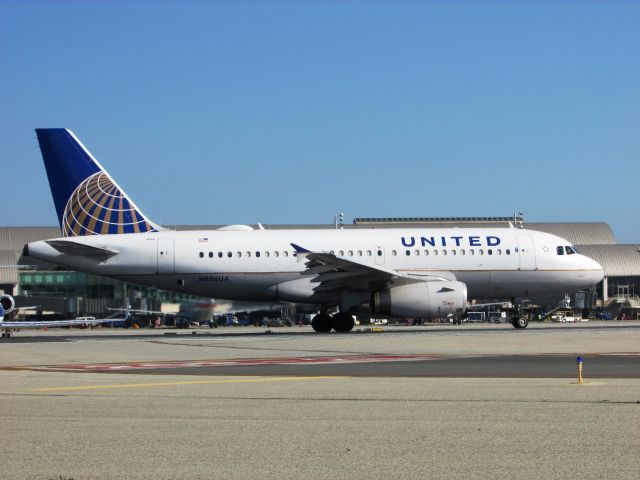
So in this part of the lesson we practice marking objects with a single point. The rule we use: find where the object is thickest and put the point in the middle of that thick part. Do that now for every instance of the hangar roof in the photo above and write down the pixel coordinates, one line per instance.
(617, 260)
(578, 233)
(14, 238)
(8, 268)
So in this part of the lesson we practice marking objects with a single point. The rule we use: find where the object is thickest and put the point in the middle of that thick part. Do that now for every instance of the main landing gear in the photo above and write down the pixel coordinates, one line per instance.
(6, 334)
(340, 322)
(520, 321)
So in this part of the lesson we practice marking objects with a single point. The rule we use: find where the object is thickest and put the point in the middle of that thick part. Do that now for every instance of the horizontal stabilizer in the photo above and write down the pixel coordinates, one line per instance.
(79, 249)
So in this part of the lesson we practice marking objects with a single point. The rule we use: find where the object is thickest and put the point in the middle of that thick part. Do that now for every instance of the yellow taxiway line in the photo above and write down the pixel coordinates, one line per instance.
(171, 384)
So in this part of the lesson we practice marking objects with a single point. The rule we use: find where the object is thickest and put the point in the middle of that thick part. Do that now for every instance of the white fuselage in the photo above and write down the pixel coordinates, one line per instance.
(261, 265)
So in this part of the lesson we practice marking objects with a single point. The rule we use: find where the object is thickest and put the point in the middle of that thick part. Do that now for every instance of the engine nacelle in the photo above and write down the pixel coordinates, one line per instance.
(421, 300)
(8, 303)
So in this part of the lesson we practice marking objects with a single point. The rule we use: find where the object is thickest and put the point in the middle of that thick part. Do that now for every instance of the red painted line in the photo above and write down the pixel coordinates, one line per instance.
(112, 367)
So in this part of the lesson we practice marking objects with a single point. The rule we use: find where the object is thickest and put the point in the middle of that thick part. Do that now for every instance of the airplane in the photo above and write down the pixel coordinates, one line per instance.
(203, 311)
(397, 272)
(8, 305)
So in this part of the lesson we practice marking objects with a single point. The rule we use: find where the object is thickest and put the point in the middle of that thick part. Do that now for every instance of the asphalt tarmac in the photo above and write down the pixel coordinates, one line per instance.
(512, 366)
(475, 401)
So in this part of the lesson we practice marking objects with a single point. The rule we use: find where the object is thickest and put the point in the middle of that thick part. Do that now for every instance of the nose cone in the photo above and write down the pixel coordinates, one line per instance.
(593, 270)
(598, 270)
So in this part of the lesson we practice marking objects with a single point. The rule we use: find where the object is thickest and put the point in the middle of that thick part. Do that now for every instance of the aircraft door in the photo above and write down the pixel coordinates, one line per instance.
(166, 258)
(526, 253)
(379, 254)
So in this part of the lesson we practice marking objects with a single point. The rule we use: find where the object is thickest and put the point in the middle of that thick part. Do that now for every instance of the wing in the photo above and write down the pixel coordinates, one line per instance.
(55, 323)
(475, 306)
(335, 273)
(133, 310)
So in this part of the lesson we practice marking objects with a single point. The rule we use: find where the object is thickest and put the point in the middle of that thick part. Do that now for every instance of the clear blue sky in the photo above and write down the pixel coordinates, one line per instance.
(288, 112)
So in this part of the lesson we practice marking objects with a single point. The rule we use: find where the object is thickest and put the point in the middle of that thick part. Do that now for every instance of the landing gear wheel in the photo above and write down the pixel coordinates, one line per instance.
(520, 322)
(322, 323)
(342, 322)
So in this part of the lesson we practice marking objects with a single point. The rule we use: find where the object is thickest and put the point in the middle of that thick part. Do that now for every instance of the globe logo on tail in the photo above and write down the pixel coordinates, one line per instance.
(98, 207)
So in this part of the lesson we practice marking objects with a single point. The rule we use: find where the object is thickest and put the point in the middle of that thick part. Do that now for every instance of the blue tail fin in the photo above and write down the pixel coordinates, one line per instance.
(88, 201)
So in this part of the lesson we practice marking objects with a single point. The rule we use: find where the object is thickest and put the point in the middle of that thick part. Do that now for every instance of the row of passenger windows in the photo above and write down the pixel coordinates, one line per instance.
(462, 252)
(361, 253)
(248, 254)
(426, 253)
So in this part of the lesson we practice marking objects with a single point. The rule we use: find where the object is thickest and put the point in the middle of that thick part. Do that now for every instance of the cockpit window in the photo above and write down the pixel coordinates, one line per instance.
(560, 250)
(570, 250)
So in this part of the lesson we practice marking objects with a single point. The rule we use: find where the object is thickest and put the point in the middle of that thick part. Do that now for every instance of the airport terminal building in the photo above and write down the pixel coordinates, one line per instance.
(71, 293)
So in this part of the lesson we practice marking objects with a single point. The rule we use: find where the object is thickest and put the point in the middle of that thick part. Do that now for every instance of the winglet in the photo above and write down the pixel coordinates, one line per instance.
(299, 249)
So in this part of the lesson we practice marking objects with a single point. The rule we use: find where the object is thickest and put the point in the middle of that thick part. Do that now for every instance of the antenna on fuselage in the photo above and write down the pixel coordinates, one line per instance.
(518, 220)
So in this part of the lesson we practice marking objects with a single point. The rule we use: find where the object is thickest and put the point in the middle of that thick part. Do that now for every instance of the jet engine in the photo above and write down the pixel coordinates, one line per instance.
(422, 300)
(8, 303)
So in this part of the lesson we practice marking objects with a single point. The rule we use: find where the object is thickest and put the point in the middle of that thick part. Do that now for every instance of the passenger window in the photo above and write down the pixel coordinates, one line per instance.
(267, 254)
(560, 250)
(444, 252)
(369, 253)
(201, 254)
(285, 253)
(341, 253)
(462, 252)
(407, 252)
(489, 252)
(499, 251)
(257, 254)
(379, 253)
(417, 252)
(507, 251)
(453, 252)
(472, 252)
(210, 254)
(359, 253)
(480, 251)
(239, 254)
(248, 254)
(426, 252)
(394, 253)
(219, 254)
(276, 254)
(351, 253)
(435, 252)
(229, 254)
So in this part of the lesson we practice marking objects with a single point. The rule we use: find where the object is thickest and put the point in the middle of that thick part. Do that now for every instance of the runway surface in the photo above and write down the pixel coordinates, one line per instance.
(511, 366)
(387, 353)
(428, 402)
(523, 366)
